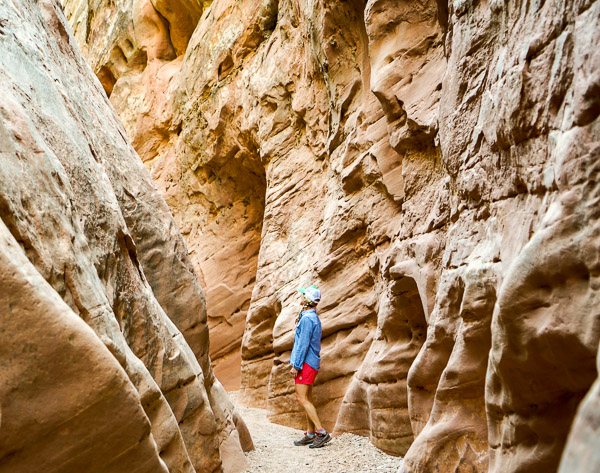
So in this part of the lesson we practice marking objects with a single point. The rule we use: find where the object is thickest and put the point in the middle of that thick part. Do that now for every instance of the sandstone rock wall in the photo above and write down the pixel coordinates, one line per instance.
(219, 203)
(582, 450)
(86, 238)
(432, 166)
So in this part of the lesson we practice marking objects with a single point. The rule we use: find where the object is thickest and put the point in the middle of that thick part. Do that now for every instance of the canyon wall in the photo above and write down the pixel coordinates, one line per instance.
(431, 166)
(103, 335)
(136, 49)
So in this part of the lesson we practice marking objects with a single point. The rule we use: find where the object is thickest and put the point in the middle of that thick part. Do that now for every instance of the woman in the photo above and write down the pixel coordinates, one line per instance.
(305, 360)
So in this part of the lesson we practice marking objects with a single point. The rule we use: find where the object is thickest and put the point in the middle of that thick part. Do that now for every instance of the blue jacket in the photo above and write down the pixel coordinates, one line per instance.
(307, 341)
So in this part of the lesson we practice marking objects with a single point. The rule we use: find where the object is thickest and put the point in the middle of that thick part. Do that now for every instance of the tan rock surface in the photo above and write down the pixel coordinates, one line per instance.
(582, 451)
(89, 222)
(57, 413)
(431, 166)
(448, 407)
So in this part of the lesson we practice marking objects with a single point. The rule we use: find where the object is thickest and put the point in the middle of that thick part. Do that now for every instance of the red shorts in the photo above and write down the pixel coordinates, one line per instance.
(306, 375)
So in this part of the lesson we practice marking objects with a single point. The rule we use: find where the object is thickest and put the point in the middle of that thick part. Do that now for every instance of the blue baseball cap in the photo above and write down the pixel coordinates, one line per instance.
(312, 293)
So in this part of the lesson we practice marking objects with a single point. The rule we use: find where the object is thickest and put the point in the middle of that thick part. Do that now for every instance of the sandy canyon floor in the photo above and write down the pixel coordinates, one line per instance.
(276, 453)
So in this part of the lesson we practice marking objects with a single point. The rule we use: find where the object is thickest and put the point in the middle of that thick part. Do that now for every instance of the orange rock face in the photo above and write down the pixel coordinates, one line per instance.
(86, 238)
(432, 167)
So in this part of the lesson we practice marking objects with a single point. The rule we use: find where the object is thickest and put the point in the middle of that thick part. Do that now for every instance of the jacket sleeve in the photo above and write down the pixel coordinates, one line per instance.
(300, 349)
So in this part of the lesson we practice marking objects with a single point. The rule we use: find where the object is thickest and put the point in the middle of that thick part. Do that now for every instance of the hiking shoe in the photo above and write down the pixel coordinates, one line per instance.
(306, 440)
(320, 440)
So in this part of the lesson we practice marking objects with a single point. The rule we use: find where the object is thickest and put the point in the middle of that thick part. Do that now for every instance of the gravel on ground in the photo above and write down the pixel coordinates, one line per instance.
(276, 453)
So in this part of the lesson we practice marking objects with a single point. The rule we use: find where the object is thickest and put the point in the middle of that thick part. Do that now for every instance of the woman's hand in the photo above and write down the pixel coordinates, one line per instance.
(294, 372)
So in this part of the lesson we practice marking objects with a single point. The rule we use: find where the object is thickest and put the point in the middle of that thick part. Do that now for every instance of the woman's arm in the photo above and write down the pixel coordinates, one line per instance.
(301, 347)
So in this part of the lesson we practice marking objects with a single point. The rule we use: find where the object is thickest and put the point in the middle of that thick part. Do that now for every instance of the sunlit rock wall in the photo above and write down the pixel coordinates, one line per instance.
(431, 166)
(95, 374)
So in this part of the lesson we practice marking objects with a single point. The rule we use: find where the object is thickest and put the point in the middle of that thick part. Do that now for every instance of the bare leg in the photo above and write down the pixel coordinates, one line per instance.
(302, 392)
(310, 426)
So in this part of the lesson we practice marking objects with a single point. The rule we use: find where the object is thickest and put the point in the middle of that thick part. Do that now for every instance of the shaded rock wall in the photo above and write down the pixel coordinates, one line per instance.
(86, 238)
(432, 166)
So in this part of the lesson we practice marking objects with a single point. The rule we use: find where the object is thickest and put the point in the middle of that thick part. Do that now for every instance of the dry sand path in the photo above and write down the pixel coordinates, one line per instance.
(276, 453)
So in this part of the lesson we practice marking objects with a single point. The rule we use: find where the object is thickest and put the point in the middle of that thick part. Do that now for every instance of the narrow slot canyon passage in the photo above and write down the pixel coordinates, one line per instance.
(173, 171)
(225, 250)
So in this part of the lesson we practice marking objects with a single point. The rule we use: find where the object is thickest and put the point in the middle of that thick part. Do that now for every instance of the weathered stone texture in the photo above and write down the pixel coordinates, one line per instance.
(87, 238)
(132, 47)
(432, 166)
(67, 404)
(582, 451)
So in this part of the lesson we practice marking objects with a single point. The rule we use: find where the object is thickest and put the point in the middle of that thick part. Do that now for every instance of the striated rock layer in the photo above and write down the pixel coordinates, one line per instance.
(431, 166)
(94, 278)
